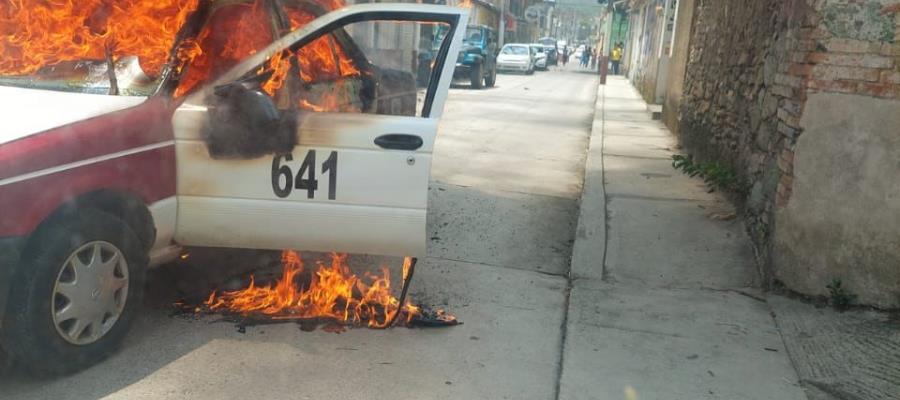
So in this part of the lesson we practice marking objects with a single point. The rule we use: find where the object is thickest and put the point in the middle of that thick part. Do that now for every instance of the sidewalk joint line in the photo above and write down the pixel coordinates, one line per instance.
(604, 274)
(558, 275)
(624, 329)
(552, 196)
(638, 157)
(626, 196)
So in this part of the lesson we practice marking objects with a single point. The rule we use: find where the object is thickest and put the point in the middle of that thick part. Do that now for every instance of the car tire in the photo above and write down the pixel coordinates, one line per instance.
(477, 76)
(64, 268)
(491, 79)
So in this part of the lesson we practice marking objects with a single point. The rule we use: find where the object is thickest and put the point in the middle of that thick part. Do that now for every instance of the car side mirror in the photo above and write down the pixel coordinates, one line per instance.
(244, 122)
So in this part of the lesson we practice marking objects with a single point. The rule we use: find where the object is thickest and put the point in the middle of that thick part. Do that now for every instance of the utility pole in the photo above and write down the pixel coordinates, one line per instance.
(604, 60)
(549, 21)
(502, 33)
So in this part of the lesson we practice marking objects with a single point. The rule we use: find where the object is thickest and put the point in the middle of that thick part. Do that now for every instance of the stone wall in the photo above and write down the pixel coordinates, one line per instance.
(753, 67)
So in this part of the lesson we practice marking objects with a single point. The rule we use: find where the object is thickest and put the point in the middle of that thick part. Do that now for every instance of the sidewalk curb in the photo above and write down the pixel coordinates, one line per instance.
(589, 249)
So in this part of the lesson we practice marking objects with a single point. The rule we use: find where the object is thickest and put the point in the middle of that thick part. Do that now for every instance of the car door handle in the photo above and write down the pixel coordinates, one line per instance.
(399, 141)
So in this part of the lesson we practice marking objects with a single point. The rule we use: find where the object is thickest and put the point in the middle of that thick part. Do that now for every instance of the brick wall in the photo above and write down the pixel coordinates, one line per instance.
(751, 68)
(845, 46)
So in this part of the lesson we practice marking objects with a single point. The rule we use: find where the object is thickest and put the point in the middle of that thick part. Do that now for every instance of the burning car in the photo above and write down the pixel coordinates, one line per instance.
(133, 131)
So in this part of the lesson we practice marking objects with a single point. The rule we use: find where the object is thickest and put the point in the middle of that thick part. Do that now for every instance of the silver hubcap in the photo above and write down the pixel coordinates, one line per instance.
(90, 292)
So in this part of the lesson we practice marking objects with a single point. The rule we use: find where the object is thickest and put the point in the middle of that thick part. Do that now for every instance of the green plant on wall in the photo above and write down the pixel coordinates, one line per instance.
(715, 175)
(840, 298)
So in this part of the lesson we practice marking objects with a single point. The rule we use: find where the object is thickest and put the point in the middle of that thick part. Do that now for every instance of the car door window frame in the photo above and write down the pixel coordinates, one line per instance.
(310, 32)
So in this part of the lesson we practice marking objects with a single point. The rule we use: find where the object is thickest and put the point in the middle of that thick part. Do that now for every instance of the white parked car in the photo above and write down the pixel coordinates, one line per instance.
(516, 57)
(540, 56)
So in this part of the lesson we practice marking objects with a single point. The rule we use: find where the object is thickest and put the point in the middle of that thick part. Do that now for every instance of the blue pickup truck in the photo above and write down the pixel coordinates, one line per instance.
(477, 59)
(476, 63)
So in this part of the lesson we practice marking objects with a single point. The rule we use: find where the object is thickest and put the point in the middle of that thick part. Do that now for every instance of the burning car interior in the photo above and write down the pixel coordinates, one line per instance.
(172, 49)
(178, 54)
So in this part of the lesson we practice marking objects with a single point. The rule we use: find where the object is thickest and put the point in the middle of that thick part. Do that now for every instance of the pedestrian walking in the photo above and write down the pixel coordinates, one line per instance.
(585, 57)
(616, 58)
(565, 55)
(594, 59)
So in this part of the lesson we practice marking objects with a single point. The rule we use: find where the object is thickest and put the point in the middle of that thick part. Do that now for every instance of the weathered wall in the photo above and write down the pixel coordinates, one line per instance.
(843, 218)
(753, 70)
(646, 80)
(677, 64)
(643, 47)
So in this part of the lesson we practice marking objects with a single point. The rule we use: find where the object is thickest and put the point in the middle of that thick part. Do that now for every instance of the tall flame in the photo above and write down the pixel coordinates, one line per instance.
(322, 60)
(38, 33)
(232, 33)
(333, 292)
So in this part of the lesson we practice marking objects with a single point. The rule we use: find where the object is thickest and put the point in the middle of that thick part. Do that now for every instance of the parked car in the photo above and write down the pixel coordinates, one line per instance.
(540, 56)
(98, 184)
(516, 57)
(552, 55)
(477, 59)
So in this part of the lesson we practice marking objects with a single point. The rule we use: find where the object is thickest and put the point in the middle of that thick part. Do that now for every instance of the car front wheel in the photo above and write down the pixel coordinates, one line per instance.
(76, 293)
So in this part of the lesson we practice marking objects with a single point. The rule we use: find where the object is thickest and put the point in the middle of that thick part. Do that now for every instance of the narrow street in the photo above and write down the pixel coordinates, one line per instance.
(582, 265)
(702, 204)
(504, 204)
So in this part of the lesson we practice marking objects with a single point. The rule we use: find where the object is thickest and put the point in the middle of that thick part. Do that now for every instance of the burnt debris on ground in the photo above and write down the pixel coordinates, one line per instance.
(330, 296)
(426, 317)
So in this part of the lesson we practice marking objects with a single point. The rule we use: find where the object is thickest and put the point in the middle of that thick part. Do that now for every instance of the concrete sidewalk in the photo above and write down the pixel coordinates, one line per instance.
(663, 301)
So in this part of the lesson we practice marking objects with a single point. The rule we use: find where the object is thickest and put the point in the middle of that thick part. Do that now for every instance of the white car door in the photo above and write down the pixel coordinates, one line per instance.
(353, 174)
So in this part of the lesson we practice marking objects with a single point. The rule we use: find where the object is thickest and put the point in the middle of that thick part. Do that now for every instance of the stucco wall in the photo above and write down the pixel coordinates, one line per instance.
(843, 218)
(648, 74)
(677, 64)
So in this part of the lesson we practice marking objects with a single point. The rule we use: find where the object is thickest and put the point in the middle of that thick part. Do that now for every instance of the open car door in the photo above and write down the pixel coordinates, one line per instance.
(322, 140)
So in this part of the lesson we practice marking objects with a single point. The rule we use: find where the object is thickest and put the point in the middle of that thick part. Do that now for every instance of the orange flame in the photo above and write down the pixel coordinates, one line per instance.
(232, 33)
(333, 292)
(38, 33)
(322, 60)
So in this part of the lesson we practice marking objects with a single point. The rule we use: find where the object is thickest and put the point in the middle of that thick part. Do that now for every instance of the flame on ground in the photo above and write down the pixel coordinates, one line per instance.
(332, 292)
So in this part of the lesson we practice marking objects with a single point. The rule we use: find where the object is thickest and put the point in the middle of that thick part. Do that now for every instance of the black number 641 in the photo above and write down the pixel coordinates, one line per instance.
(306, 175)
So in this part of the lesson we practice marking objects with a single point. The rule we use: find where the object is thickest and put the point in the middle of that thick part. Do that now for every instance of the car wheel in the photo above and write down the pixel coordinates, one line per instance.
(76, 293)
(477, 76)
(491, 79)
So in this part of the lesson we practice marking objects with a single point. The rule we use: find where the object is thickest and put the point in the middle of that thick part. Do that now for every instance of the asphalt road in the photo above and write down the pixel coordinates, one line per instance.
(507, 176)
